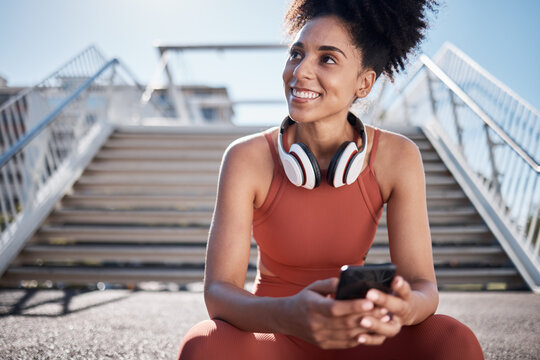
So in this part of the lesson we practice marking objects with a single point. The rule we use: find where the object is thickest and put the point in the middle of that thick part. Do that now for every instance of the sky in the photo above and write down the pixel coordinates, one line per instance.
(37, 37)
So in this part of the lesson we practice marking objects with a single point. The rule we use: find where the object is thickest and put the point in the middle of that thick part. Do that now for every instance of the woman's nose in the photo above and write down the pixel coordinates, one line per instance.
(303, 69)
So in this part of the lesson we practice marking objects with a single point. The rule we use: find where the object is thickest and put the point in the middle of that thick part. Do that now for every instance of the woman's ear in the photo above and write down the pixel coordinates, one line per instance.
(365, 82)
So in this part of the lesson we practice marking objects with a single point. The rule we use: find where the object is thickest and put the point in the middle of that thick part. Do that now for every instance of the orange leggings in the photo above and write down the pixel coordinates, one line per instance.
(439, 337)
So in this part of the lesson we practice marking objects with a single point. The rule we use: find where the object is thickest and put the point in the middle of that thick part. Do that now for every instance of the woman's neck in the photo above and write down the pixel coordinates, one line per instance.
(323, 137)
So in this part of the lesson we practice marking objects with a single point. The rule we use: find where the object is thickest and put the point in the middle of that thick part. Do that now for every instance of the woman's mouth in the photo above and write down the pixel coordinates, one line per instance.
(304, 94)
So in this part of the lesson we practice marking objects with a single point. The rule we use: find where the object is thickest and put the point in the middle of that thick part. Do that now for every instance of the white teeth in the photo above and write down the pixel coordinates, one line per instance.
(305, 94)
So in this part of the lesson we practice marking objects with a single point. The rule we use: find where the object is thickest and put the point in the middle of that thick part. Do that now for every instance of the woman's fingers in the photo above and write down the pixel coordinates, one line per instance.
(401, 288)
(324, 287)
(393, 303)
(386, 327)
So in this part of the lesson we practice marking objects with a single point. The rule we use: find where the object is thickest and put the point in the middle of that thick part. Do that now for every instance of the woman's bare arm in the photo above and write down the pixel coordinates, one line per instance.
(408, 226)
(229, 241)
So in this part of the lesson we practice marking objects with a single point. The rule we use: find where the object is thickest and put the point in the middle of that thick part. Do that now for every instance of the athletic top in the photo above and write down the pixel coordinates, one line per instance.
(306, 235)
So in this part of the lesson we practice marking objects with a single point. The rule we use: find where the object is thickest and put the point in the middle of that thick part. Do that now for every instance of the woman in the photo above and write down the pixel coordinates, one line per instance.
(315, 205)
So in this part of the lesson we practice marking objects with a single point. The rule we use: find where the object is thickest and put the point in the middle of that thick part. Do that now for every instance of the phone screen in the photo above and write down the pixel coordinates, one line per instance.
(355, 281)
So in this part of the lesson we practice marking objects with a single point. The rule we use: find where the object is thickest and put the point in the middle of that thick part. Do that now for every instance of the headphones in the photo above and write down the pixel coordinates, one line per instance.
(302, 168)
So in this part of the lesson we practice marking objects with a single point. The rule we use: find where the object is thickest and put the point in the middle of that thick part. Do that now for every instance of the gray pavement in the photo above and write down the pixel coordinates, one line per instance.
(123, 324)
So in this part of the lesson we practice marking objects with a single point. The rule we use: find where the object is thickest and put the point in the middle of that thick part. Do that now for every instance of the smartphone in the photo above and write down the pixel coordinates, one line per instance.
(355, 281)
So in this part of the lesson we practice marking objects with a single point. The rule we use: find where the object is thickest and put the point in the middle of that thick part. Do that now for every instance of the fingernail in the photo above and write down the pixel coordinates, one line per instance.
(399, 282)
(367, 305)
(362, 339)
(384, 311)
(385, 319)
(372, 295)
(365, 323)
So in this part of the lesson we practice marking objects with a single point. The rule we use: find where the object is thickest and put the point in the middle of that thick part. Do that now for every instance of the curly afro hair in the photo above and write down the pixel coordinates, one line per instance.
(386, 31)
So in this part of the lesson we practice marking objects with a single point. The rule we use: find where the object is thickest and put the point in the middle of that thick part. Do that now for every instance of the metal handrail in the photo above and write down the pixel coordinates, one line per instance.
(21, 143)
(489, 140)
(179, 103)
(220, 47)
(50, 132)
(89, 50)
(442, 76)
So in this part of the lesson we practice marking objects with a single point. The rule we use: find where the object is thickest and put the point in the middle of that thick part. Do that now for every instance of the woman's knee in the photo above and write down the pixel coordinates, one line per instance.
(208, 339)
(450, 339)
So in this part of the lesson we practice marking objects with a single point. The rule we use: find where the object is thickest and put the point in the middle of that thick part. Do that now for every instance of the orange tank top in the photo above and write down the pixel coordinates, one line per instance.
(307, 235)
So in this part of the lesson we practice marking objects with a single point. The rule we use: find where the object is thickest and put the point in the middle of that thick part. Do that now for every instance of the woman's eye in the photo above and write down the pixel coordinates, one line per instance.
(328, 60)
(293, 54)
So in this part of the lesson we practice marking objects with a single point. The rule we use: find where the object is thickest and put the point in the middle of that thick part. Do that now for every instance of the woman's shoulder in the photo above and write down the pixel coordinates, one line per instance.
(398, 162)
(251, 146)
(397, 147)
(248, 164)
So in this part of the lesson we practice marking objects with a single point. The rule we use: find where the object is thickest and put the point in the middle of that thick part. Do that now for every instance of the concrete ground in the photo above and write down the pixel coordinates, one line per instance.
(123, 324)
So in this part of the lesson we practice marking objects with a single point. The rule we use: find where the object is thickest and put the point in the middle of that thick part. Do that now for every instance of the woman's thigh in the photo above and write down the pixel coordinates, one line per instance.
(439, 337)
(215, 339)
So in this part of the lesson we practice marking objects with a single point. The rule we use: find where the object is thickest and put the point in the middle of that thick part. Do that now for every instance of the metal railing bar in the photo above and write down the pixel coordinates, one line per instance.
(221, 47)
(49, 118)
(12, 169)
(19, 119)
(460, 54)
(13, 211)
(64, 66)
(479, 112)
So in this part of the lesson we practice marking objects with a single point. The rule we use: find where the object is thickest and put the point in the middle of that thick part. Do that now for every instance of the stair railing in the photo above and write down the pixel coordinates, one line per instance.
(188, 110)
(49, 133)
(489, 139)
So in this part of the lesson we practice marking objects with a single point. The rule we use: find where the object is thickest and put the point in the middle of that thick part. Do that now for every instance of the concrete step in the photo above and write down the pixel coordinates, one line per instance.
(77, 275)
(185, 178)
(491, 255)
(448, 235)
(180, 216)
(509, 278)
(450, 216)
(121, 234)
(151, 143)
(446, 199)
(440, 235)
(435, 168)
(160, 183)
(139, 217)
(163, 254)
(113, 167)
(146, 188)
(195, 254)
(430, 157)
(145, 155)
(162, 202)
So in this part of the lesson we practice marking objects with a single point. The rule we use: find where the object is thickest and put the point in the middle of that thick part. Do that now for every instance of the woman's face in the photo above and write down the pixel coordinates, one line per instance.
(323, 74)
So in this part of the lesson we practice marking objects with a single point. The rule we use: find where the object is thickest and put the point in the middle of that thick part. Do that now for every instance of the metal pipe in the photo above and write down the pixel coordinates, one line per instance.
(49, 118)
(478, 111)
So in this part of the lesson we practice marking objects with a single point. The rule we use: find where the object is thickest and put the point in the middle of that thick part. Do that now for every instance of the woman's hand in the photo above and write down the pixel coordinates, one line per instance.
(397, 310)
(315, 316)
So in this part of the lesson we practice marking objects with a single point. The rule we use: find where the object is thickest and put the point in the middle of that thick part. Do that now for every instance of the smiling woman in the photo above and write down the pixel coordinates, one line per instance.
(307, 228)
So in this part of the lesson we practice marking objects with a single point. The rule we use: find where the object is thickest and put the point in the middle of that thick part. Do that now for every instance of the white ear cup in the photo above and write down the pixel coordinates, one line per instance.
(292, 168)
(309, 173)
(342, 164)
(355, 167)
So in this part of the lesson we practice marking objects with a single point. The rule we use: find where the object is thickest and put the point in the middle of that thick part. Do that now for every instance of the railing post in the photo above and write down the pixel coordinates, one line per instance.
(177, 99)
(432, 100)
(459, 129)
(494, 171)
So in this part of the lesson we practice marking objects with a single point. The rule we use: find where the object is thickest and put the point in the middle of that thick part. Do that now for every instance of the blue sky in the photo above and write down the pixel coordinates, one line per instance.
(37, 36)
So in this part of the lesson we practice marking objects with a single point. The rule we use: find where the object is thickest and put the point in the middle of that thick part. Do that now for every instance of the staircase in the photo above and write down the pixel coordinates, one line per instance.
(142, 208)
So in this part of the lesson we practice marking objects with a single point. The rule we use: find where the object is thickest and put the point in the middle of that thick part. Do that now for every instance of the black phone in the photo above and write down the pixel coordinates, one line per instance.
(355, 281)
